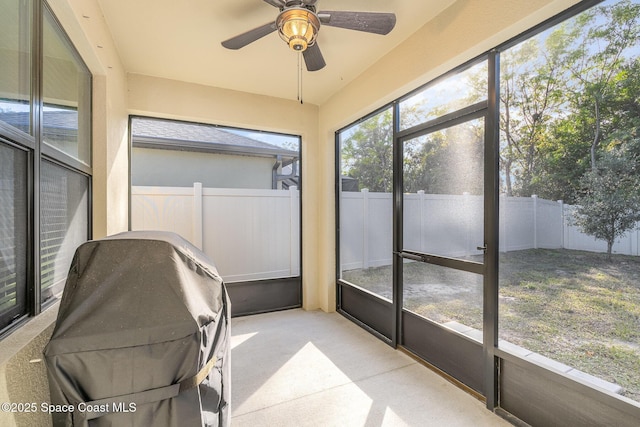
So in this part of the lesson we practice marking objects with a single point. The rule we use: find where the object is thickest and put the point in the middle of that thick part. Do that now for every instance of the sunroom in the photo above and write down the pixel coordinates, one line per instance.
(462, 190)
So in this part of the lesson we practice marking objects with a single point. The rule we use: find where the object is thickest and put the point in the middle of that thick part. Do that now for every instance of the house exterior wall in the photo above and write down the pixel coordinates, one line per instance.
(172, 168)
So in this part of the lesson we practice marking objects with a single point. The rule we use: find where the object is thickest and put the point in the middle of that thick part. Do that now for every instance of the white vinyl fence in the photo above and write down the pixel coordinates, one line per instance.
(248, 234)
(255, 234)
(449, 225)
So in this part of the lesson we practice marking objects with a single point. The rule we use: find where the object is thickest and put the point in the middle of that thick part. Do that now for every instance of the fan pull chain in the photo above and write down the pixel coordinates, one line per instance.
(300, 77)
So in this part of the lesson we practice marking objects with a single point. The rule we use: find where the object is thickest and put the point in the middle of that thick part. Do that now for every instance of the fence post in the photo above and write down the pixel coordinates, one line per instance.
(365, 227)
(421, 200)
(466, 209)
(503, 244)
(197, 215)
(561, 203)
(535, 221)
(294, 261)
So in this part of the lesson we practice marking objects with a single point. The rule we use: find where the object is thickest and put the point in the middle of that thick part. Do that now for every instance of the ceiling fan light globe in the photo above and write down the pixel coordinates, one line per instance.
(298, 27)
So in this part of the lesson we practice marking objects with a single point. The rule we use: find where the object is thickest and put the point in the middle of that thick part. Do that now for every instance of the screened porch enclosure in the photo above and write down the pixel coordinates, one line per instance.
(456, 181)
(481, 228)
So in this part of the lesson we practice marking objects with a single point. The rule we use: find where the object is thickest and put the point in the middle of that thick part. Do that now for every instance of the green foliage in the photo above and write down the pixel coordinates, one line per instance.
(610, 205)
(443, 162)
(564, 95)
(367, 153)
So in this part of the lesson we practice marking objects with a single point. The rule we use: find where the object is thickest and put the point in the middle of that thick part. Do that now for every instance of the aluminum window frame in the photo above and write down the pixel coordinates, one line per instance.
(37, 151)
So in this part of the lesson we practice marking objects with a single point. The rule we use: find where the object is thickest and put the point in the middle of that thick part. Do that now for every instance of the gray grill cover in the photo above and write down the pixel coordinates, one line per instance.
(143, 327)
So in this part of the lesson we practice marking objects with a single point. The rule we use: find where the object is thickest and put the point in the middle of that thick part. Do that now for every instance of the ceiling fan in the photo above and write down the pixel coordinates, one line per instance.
(298, 24)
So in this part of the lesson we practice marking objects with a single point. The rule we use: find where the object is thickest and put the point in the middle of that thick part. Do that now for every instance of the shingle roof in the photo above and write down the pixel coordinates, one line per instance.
(160, 133)
(66, 120)
(146, 131)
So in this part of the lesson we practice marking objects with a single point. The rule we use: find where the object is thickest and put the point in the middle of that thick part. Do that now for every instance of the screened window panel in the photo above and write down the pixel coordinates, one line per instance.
(64, 218)
(13, 233)
(366, 204)
(67, 95)
(15, 63)
(445, 96)
(443, 194)
(563, 295)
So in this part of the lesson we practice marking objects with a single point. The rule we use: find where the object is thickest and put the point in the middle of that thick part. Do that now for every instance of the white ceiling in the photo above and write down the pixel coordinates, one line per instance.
(180, 40)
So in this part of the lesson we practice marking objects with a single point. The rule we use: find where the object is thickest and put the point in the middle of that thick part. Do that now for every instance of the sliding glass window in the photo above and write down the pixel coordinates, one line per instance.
(13, 232)
(66, 89)
(64, 201)
(15, 64)
(45, 158)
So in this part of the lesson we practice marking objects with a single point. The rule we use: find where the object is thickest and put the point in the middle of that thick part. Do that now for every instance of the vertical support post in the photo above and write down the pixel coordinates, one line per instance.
(365, 228)
(197, 228)
(294, 240)
(398, 227)
(534, 199)
(33, 274)
(491, 229)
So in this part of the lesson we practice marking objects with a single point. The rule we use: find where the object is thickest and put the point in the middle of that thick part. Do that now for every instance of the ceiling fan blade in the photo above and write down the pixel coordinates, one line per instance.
(276, 3)
(250, 36)
(370, 22)
(313, 58)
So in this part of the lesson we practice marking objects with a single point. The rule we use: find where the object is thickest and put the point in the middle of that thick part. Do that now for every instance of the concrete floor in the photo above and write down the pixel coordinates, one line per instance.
(299, 368)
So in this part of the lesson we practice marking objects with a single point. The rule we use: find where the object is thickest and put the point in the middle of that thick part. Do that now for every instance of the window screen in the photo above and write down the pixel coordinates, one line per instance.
(13, 233)
(63, 223)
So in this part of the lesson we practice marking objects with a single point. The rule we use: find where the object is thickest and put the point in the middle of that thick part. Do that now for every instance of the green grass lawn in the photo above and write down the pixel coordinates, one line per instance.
(572, 306)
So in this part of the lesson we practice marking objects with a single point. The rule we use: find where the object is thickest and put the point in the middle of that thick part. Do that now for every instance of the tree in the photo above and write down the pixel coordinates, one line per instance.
(448, 161)
(595, 62)
(559, 101)
(610, 205)
(530, 94)
(367, 153)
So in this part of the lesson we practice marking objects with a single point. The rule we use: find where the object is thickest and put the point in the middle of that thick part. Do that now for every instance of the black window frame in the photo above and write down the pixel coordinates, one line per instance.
(37, 152)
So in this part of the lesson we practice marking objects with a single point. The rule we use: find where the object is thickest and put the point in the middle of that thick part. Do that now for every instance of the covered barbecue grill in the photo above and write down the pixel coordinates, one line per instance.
(142, 336)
